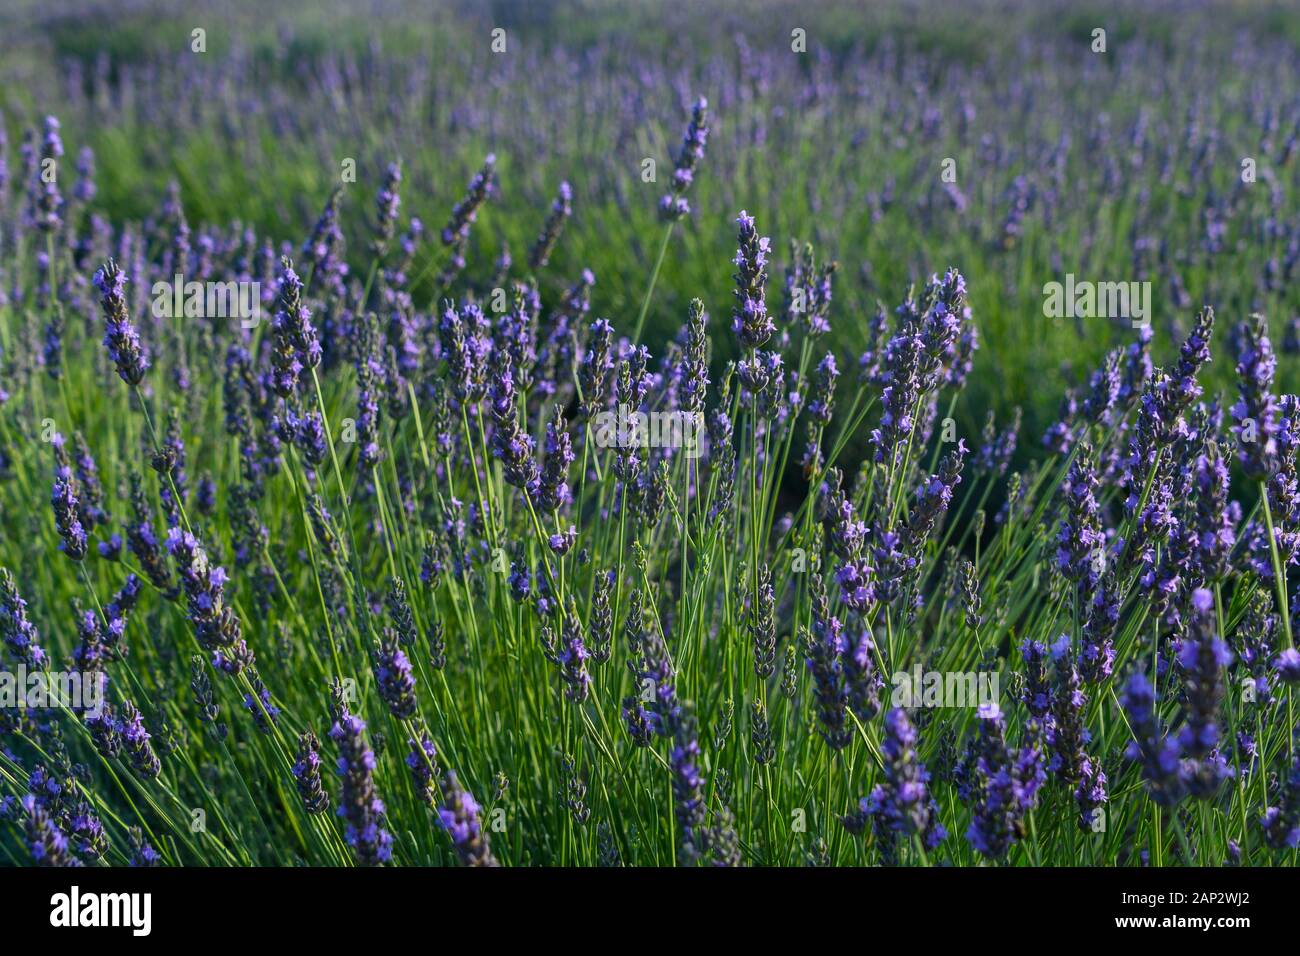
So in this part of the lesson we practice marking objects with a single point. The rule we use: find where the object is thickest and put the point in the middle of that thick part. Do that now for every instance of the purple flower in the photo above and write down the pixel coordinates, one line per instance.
(461, 348)
(1004, 789)
(1202, 656)
(67, 506)
(423, 764)
(512, 446)
(901, 805)
(749, 319)
(562, 542)
(1080, 533)
(215, 625)
(808, 290)
(121, 339)
(84, 190)
(561, 210)
(825, 648)
(18, 633)
(1288, 665)
(359, 804)
(142, 854)
(306, 774)
(49, 202)
(295, 345)
(138, 748)
(688, 790)
(551, 490)
(456, 233)
(822, 402)
(47, 843)
(673, 205)
(387, 201)
(1255, 412)
(1158, 756)
(593, 373)
(1068, 737)
(459, 817)
(393, 676)
(693, 375)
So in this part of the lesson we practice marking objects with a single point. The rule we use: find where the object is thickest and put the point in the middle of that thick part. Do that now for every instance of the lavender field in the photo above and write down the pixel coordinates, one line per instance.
(615, 434)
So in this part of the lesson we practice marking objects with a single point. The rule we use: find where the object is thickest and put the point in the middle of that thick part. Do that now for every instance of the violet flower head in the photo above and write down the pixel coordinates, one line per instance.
(1255, 412)
(1005, 786)
(1080, 533)
(359, 804)
(16, 630)
(808, 290)
(511, 445)
(561, 210)
(573, 666)
(292, 324)
(1158, 756)
(1194, 353)
(387, 202)
(422, 761)
(393, 676)
(142, 854)
(825, 648)
(594, 372)
(694, 372)
(48, 844)
(1100, 617)
(455, 234)
(822, 403)
(1287, 664)
(216, 626)
(84, 190)
(459, 347)
(66, 502)
(749, 318)
(674, 205)
(120, 338)
(49, 202)
(459, 816)
(306, 774)
(1216, 517)
(1203, 656)
(688, 790)
(137, 740)
(901, 805)
(551, 490)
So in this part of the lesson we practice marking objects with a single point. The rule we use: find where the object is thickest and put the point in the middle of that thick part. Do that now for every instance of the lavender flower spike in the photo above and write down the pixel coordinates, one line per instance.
(902, 804)
(1256, 410)
(65, 500)
(359, 805)
(16, 631)
(121, 338)
(673, 205)
(459, 817)
(750, 321)
(561, 210)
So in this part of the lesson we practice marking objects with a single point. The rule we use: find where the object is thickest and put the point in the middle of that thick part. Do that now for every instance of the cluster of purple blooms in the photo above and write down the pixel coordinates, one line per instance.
(1003, 784)
(359, 804)
(120, 336)
(674, 205)
(901, 806)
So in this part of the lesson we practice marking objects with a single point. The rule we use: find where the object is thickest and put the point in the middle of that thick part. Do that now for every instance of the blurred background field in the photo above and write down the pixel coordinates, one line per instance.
(1120, 166)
